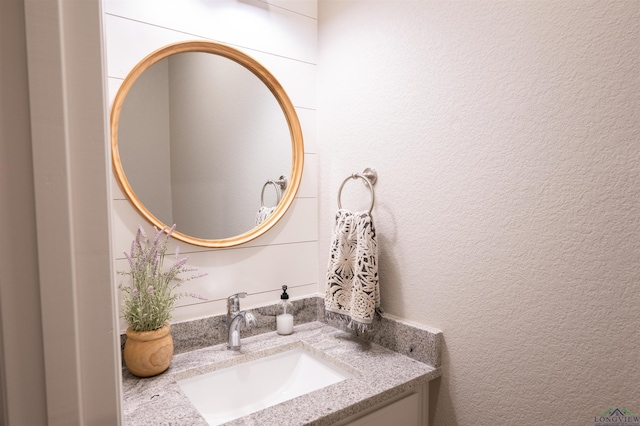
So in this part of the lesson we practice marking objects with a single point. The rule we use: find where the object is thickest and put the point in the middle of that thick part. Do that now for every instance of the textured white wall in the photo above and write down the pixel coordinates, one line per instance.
(505, 135)
(282, 35)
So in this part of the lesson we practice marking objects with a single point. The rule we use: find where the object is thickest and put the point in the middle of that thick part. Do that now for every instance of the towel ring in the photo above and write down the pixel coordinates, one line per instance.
(279, 185)
(370, 177)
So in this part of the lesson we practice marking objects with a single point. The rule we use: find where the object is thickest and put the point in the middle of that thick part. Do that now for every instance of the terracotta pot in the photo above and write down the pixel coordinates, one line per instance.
(148, 353)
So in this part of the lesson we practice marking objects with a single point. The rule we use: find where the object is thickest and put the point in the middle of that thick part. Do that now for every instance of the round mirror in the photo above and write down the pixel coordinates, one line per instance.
(205, 137)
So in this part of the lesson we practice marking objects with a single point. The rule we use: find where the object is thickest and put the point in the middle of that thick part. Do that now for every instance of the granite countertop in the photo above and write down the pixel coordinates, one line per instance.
(379, 374)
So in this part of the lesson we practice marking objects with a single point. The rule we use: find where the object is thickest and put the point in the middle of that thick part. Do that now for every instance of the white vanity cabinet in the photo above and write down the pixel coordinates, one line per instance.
(410, 408)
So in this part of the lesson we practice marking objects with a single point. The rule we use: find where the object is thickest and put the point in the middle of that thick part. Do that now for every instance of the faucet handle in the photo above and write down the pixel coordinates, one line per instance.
(250, 320)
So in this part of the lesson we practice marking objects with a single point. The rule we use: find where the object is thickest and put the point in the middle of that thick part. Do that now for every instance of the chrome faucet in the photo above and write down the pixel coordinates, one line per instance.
(234, 317)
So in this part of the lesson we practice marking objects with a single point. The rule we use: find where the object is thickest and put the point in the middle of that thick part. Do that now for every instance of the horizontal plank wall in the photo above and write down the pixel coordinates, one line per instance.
(282, 35)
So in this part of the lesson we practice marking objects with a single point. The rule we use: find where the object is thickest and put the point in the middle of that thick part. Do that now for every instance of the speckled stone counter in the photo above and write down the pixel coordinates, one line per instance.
(378, 375)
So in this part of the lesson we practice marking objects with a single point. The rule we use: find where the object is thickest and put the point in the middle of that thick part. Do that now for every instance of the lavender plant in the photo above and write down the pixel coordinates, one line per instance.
(149, 298)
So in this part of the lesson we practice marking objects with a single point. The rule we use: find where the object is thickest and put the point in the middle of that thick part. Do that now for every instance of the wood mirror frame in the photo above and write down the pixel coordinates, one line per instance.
(295, 131)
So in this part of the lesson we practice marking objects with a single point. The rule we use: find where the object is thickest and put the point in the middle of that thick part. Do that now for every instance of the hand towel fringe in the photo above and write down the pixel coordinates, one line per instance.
(349, 322)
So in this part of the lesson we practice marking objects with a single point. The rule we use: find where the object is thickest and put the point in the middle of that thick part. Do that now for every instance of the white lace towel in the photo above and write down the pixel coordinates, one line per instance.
(352, 291)
(263, 213)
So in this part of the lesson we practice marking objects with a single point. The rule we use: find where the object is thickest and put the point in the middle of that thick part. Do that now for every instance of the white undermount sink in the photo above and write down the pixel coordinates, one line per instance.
(229, 393)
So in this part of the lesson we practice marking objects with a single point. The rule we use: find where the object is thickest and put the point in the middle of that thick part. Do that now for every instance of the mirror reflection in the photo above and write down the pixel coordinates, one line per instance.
(199, 136)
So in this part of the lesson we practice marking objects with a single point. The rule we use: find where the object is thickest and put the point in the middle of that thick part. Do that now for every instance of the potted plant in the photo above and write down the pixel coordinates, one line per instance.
(148, 300)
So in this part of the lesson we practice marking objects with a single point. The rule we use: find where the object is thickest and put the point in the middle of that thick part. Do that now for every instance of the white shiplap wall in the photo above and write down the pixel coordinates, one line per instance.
(282, 35)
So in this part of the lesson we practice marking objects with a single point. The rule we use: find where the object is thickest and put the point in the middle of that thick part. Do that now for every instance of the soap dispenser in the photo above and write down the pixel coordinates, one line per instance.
(284, 318)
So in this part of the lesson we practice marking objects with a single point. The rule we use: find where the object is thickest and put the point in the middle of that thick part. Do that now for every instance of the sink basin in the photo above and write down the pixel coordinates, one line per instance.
(229, 393)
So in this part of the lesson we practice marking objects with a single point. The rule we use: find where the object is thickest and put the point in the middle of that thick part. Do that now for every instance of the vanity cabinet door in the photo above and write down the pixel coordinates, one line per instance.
(411, 409)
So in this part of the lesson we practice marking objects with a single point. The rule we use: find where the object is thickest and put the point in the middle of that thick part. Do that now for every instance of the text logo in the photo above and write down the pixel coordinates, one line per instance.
(616, 416)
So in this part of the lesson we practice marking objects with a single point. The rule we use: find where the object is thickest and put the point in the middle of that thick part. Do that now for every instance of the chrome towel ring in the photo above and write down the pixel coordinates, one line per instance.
(370, 177)
(279, 185)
